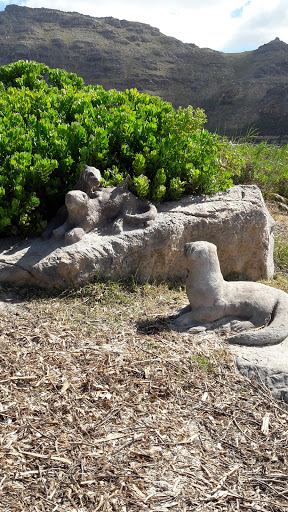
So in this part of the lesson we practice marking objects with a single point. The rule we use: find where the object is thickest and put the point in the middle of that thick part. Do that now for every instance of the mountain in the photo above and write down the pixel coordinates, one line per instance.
(237, 90)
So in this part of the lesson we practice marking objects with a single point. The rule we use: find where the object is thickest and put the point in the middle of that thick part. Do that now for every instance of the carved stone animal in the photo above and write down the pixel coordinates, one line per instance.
(108, 212)
(88, 207)
(80, 217)
(89, 182)
(259, 311)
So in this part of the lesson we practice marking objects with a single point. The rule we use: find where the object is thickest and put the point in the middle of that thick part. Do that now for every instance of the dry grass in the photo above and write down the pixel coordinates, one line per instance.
(104, 408)
(280, 216)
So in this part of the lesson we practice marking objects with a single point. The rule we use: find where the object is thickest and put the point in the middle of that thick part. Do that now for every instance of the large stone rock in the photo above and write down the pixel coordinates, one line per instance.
(267, 365)
(236, 221)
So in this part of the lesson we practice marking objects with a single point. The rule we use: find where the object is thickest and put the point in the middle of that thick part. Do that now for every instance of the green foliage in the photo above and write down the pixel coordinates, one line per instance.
(265, 165)
(51, 125)
(141, 185)
(201, 362)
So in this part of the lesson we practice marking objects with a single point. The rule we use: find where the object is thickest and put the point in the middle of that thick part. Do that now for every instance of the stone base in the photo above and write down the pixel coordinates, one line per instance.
(236, 221)
(268, 365)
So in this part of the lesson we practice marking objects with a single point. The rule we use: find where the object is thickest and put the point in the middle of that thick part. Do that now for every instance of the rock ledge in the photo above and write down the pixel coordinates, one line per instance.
(236, 221)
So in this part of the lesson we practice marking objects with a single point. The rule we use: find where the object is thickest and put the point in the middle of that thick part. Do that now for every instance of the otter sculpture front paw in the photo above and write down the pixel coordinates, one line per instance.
(74, 235)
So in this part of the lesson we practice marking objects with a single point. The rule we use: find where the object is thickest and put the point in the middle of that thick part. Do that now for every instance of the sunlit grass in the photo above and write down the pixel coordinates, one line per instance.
(264, 165)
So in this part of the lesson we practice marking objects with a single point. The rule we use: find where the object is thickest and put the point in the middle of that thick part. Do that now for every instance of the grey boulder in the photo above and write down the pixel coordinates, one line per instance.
(267, 365)
(236, 221)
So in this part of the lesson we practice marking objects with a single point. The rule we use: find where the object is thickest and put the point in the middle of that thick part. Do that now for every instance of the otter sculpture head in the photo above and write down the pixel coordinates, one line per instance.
(76, 202)
(196, 250)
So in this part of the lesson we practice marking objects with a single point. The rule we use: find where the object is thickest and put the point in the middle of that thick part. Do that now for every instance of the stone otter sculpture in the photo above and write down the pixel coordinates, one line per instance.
(89, 183)
(259, 311)
(106, 210)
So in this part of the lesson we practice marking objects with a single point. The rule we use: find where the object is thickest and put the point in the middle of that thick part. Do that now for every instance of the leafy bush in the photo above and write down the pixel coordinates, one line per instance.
(51, 125)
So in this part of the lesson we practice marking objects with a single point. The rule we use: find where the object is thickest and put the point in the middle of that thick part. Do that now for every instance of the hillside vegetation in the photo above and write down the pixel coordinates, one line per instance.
(262, 164)
(236, 91)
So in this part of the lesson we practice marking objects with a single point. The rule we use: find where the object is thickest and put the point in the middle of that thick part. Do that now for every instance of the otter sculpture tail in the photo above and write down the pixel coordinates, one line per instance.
(275, 332)
(137, 219)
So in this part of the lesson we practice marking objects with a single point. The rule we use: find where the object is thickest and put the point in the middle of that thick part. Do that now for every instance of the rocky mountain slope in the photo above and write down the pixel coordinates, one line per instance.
(237, 91)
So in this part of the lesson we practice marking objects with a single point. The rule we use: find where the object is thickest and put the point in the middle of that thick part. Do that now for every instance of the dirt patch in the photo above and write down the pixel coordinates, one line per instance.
(13, 301)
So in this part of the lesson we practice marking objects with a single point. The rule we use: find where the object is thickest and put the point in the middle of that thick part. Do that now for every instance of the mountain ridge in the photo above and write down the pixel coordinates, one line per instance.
(237, 90)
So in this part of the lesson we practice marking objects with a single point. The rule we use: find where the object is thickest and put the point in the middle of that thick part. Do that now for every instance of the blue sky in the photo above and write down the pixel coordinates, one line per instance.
(238, 12)
(223, 25)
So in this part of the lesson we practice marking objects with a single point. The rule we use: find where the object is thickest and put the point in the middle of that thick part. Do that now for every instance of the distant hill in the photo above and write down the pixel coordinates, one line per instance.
(237, 91)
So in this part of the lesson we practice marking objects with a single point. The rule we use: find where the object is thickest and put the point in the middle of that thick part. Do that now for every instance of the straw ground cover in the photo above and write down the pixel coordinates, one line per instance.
(105, 408)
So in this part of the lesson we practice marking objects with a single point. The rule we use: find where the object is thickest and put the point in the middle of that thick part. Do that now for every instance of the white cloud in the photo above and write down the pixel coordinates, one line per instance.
(260, 23)
(207, 23)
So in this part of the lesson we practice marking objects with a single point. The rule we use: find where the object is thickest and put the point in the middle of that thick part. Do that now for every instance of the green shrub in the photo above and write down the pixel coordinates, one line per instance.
(51, 125)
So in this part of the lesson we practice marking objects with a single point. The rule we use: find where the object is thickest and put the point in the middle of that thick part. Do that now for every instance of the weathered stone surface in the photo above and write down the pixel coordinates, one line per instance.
(268, 365)
(236, 221)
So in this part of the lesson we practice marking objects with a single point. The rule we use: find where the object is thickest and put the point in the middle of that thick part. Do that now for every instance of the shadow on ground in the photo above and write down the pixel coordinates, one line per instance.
(155, 325)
